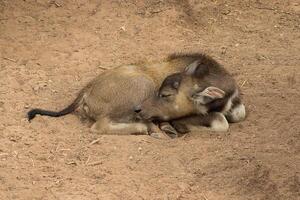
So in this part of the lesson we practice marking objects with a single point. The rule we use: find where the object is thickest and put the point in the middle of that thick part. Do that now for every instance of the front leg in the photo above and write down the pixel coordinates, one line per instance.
(216, 121)
(156, 131)
(169, 129)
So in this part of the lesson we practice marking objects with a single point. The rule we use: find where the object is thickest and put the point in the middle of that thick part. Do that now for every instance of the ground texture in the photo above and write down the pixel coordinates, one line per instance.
(51, 49)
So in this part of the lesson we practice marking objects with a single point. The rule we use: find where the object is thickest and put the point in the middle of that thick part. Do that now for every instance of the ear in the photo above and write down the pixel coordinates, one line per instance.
(208, 95)
(172, 81)
(191, 68)
(196, 69)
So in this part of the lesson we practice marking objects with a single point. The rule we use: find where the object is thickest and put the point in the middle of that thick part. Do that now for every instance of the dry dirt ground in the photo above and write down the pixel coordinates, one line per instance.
(51, 49)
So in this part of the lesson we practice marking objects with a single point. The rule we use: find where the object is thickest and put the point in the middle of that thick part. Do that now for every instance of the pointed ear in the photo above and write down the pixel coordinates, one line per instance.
(208, 95)
(191, 68)
(196, 69)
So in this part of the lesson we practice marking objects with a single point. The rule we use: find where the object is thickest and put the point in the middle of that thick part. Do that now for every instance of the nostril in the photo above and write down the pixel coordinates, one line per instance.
(137, 109)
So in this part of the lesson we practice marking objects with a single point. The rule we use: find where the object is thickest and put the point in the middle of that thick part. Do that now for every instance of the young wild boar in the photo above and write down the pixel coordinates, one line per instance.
(204, 94)
(111, 98)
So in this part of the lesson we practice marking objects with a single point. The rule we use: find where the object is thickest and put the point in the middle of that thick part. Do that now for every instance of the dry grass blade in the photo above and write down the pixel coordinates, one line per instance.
(95, 141)
(104, 68)
(94, 163)
(10, 59)
(244, 82)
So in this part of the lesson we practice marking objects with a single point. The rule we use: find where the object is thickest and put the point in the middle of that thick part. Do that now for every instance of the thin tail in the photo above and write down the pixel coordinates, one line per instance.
(32, 113)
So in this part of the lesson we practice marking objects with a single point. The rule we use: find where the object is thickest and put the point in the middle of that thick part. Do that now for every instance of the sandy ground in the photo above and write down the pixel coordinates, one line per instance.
(51, 49)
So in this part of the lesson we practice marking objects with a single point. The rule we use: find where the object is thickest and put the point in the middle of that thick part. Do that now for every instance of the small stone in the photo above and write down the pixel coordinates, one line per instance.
(36, 88)
(123, 28)
(130, 157)
(140, 148)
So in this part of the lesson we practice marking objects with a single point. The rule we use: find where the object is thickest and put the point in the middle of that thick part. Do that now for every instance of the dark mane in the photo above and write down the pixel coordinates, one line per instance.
(187, 55)
(205, 59)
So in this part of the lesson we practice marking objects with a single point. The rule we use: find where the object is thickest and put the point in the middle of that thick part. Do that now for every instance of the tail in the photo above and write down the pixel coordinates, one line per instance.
(32, 113)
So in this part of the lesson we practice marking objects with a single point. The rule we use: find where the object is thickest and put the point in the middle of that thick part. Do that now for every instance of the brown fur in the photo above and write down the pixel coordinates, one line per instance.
(205, 87)
(111, 98)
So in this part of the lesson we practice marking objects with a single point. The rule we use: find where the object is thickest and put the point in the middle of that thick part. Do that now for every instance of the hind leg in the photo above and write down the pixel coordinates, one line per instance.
(105, 126)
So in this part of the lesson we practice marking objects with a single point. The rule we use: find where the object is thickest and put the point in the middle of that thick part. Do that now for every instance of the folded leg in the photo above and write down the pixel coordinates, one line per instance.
(216, 121)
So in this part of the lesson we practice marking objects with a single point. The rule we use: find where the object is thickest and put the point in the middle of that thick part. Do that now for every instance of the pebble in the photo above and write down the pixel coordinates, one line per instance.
(123, 28)
(36, 88)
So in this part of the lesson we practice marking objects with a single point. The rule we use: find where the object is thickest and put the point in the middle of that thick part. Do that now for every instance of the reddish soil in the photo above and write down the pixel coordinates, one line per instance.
(51, 49)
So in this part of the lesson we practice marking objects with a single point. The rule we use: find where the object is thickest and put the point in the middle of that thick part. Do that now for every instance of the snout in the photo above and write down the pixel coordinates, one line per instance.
(152, 110)
(142, 113)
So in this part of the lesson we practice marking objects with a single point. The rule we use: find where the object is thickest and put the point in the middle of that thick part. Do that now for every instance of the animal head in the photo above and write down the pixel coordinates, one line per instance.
(202, 87)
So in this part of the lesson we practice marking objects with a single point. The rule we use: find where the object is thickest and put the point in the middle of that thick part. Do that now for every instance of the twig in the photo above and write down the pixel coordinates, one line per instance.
(10, 59)
(94, 163)
(71, 163)
(56, 149)
(55, 3)
(245, 81)
(265, 8)
(274, 9)
(104, 68)
(204, 197)
(157, 11)
(183, 137)
(65, 150)
(94, 141)
(87, 161)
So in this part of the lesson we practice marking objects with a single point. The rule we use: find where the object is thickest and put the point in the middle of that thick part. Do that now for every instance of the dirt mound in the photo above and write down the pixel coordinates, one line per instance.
(51, 49)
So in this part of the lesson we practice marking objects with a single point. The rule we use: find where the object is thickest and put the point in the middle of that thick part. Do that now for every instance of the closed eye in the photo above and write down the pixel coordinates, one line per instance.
(165, 95)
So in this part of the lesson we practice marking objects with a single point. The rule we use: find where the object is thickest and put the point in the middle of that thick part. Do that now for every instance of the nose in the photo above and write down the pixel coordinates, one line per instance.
(137, 109)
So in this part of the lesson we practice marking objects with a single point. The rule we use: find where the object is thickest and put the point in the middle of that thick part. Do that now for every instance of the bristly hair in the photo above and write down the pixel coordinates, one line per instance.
(182, 54)
(199, 56)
